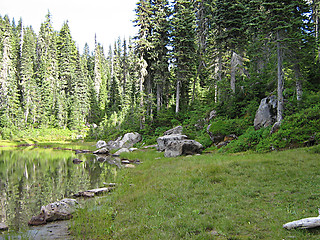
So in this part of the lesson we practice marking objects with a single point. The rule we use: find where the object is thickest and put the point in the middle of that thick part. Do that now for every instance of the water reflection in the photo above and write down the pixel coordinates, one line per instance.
(30, 178)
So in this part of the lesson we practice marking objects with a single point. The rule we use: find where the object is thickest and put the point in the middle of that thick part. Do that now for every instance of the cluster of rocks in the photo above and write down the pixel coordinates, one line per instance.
(124, 144)
(174, 144)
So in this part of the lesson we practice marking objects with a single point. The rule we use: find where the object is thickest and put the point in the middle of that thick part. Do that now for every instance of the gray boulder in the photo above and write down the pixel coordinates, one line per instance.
(121, 150)
(3, 226)
(101, 144)
(174, 131)
(60, 210)
(266, 113)
(165, 140)
(182, 147)
(127, 141)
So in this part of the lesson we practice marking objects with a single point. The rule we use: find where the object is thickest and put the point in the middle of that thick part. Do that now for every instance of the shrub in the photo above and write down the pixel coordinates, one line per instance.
(293, 132)
(225, 127)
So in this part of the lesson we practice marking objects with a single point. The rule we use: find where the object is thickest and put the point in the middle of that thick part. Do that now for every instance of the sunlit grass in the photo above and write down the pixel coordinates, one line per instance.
(213, 196)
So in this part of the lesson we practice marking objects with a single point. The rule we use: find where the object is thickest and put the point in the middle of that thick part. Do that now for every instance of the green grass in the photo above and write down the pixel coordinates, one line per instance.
(212, 196)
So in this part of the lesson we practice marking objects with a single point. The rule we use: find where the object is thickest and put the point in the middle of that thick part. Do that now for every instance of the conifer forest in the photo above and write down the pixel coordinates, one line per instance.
(189, 57)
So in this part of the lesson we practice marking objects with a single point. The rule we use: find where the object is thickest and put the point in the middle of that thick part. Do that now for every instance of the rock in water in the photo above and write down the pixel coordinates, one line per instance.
(60, 210)
(101, 151)
(266, 113)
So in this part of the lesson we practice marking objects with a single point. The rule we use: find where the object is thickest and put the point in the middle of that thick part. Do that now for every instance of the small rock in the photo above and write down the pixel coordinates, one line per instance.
(150, 146)
(77, 161)
(230, 138)
(222, 144)
(110, 184)
(3, 226)
(101, 151)
(129, 166)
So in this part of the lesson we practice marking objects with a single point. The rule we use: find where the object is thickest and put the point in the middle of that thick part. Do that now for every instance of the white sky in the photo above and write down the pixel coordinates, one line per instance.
(108, 19)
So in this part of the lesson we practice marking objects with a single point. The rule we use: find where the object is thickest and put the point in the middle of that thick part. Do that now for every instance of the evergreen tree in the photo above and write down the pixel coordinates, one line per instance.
(28, 86)
(10, 112)
(184, 50)
(46, 74)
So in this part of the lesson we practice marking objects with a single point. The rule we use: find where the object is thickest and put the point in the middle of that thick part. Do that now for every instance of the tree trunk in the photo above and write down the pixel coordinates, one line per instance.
(280, 80)
(218, 73)
(298, 82)
(233, 72)
(143, 73)
(178, 95)
(159, 97)
(316, 25)
(304, 223)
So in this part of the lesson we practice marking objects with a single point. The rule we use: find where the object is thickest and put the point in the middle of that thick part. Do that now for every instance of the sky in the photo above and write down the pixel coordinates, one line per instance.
(108, 19)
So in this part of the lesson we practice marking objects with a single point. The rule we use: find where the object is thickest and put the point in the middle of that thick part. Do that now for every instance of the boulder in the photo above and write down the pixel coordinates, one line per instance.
(266, 113)
(214, 138)
(101, 144)
(3, 226)
(127, 141)
(174, 131)
(164, 140)
(182, 147)
(60, 210)
(122, 150)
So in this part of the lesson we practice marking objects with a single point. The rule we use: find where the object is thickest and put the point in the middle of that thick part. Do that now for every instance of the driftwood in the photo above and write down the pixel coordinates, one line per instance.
(93, 192)
(311, 222)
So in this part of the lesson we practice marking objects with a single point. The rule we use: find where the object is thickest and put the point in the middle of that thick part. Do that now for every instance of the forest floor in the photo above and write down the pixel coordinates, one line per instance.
(209, 196)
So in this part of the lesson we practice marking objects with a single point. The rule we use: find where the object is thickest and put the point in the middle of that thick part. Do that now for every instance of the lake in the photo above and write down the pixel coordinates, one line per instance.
(31, 177)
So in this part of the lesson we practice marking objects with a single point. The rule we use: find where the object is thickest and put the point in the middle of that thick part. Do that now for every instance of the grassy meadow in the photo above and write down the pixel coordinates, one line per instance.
(209, 196)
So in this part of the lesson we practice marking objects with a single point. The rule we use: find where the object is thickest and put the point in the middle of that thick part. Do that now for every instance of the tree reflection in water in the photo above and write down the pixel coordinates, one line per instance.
(30, 178)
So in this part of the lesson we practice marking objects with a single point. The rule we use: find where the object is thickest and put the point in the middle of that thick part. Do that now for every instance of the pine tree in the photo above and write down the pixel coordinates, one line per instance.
(28, 86)
(10, 111)
(46, 74)
(184, 50)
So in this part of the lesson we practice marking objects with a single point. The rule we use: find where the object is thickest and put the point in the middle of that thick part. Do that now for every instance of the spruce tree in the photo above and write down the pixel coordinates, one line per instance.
(184, 50)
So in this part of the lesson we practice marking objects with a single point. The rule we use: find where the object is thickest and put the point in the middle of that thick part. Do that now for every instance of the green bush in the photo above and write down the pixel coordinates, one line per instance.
(294, 131)
(225, 127)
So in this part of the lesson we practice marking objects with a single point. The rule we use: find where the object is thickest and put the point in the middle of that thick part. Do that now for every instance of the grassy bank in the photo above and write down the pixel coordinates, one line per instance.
(212, 196)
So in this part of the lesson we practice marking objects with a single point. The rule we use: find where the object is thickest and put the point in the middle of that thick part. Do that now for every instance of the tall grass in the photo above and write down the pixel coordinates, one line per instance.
(212, 196)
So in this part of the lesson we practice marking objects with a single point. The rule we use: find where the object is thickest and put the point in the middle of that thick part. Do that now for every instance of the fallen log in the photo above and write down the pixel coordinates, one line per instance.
(93, 192)
(311, 222)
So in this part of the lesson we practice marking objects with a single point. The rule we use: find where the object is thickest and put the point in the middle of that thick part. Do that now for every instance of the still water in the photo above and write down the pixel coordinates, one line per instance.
(32, 177)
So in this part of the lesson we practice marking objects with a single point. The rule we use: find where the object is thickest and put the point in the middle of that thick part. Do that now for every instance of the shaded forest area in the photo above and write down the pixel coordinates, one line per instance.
(190, 57)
